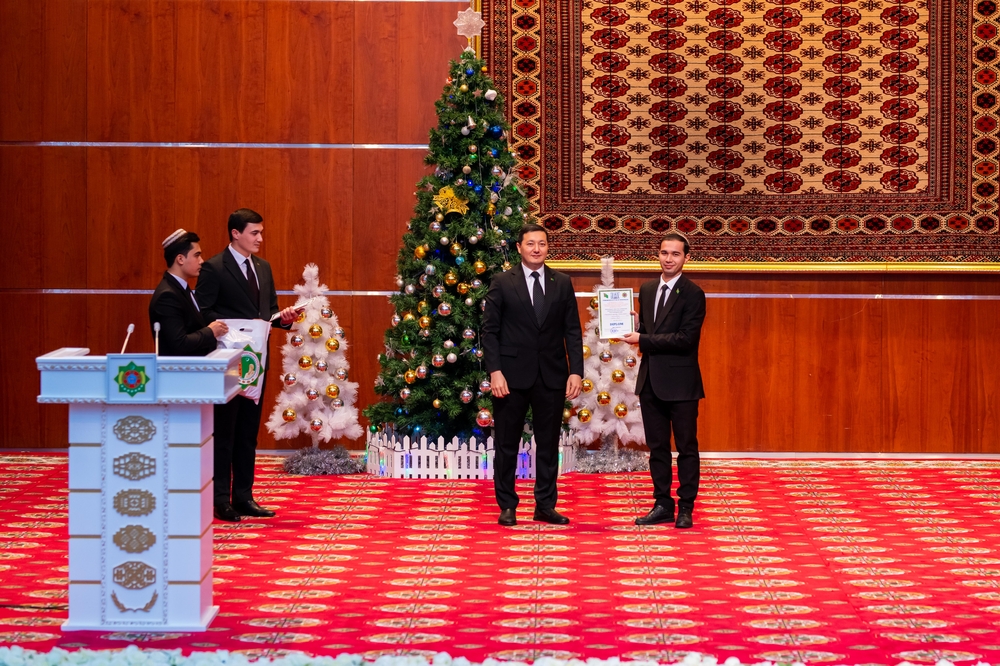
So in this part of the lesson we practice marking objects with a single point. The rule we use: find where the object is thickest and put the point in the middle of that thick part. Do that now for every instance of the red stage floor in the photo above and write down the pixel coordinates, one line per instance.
(856, 562)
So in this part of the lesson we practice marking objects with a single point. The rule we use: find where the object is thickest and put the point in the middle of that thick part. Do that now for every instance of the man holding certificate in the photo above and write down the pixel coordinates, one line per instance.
(668, 325)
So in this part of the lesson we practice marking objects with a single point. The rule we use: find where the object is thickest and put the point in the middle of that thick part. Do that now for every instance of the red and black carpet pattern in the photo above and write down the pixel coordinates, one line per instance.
(768, 130)
(856, 562)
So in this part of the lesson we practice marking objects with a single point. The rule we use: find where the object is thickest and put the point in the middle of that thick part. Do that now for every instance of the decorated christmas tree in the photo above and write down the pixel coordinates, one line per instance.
(463, 231)
(607, 410)
(317, 398)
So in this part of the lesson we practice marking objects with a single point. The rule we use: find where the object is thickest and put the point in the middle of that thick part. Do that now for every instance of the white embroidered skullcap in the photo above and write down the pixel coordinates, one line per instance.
(174, 237)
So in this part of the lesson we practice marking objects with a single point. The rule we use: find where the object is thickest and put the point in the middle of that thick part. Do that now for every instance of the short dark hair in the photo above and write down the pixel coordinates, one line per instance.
(528, 228)
(675, 236)
(239, 219)
(180, 246)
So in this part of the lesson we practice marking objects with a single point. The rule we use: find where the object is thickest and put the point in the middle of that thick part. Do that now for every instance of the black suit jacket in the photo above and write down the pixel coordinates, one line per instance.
(515, 343)
(224, 293)
(669, 345)
(183, 331)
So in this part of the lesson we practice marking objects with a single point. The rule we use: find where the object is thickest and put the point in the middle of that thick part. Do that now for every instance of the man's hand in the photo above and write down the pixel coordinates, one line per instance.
(498, 384)
(289, 314)
(631, 338)
(218, 328)
(573, 385)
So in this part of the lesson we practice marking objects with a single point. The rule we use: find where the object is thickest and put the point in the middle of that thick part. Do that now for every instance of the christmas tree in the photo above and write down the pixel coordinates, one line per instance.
(607, 409)
(463, 230)
(317, 398)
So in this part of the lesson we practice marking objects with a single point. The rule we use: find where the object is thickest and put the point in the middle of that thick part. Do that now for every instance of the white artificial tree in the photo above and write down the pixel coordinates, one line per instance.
(317, 397)
(607, 409)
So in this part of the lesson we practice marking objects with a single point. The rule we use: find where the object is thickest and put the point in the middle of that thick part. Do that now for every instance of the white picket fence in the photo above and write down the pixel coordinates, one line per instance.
(406, 458)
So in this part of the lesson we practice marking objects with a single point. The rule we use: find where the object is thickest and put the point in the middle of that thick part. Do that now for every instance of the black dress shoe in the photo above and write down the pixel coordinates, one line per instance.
(251, 508)
(225, 511)
(659, 514)
(550, 516)
(508, 518)
(683, 520)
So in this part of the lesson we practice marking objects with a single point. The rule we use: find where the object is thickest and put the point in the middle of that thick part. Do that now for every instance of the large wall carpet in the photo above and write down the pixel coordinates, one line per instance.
(859, 562)
(767, 130)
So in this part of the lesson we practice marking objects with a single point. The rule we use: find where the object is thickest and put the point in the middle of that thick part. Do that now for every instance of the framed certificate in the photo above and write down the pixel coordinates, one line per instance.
(614, 313)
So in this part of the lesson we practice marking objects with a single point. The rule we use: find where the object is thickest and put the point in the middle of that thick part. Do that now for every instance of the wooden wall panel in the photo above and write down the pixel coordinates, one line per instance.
(400, 68)
(130, 201)
(21, 71)
(60, 233)
(309, 215)
(220, 70)
(309, 71)
(65, 70)
(131, 70)
(21, 192)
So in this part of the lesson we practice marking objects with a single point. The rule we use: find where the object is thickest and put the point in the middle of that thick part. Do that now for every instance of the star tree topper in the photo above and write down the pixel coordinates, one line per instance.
(469, 23)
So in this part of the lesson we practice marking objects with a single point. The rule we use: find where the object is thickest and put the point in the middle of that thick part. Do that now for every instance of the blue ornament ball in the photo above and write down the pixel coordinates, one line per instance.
(478, 189)
(459, 260)
(494, 132)
(494, 152)
(470, 71)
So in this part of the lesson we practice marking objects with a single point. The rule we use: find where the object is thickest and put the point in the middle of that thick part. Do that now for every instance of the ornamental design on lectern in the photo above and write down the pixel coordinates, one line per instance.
(134, 575)
(134, 539)
(134, 466)
(134, 429)
(134, 502)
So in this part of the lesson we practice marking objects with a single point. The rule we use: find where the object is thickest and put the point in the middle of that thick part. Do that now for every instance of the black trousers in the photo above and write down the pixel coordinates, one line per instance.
(659, 419)
(236, 426)
(508, 426)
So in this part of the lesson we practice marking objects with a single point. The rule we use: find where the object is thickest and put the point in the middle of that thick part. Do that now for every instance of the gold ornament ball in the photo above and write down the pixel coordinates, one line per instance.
(464, 88)
(301, 318)
(479, 267)
(436, 403)
(419, 252)
(439, 217)
(410, 376)
(605, 357)
(566, 415)
(621, 411)
(333, 391)
(409, 316)
(506, 266)
(425, 322)
(456, 249)
(473, 149)
(332, 344)
(617, 376)
(288, 415)
(584, 415)
(593, 303)
(490, 209)
(586, 349)
(305, 362)
(484, 69)
(315, 331)
(422, 306)
(587, 385)
(451, 279)
(463, 288)
(466, 169)
(603, 398)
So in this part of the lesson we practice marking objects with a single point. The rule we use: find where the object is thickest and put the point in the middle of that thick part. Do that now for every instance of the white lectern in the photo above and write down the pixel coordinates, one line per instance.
(140, 484)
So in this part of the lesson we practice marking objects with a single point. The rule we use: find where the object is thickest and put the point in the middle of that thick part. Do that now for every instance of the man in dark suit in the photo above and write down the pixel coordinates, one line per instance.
(530, 326)
(236, 284)
(183, 331)
(668, 324)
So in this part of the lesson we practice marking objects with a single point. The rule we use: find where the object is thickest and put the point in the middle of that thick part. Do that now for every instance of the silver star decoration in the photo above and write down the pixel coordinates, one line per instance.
(469, 23)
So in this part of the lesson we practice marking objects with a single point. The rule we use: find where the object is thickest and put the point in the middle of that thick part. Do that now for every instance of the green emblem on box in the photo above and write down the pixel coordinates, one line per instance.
(132, 378)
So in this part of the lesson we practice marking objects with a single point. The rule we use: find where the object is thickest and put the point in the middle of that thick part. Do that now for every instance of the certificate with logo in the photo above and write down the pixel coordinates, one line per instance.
(614, 312)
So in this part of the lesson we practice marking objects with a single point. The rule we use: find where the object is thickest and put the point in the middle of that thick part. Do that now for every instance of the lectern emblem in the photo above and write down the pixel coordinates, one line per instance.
(134, 466)
(134, 575)
(134, 502)
(132, 378)
(134, 429)
(134, 539)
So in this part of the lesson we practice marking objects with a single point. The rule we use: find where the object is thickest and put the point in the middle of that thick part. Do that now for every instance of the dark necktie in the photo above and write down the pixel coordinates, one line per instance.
(193, 299)
(252, 281)
(537, 297)
(662, 302)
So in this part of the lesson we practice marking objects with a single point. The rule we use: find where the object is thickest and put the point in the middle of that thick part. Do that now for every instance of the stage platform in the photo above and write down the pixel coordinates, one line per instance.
(821, 561)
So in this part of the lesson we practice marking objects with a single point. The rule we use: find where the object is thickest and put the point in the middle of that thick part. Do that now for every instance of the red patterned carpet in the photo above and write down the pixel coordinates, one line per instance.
(854, 562)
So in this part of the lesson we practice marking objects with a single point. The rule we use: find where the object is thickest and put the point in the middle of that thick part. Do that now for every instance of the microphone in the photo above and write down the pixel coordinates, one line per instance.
(156, 334)
(128, 334)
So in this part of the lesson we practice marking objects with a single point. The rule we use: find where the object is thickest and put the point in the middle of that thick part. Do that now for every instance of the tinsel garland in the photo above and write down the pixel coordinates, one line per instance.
(314, 461)
(610, 459)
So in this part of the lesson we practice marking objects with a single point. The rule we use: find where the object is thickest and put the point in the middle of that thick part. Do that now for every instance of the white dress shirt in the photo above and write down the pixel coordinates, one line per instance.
(530, 281)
